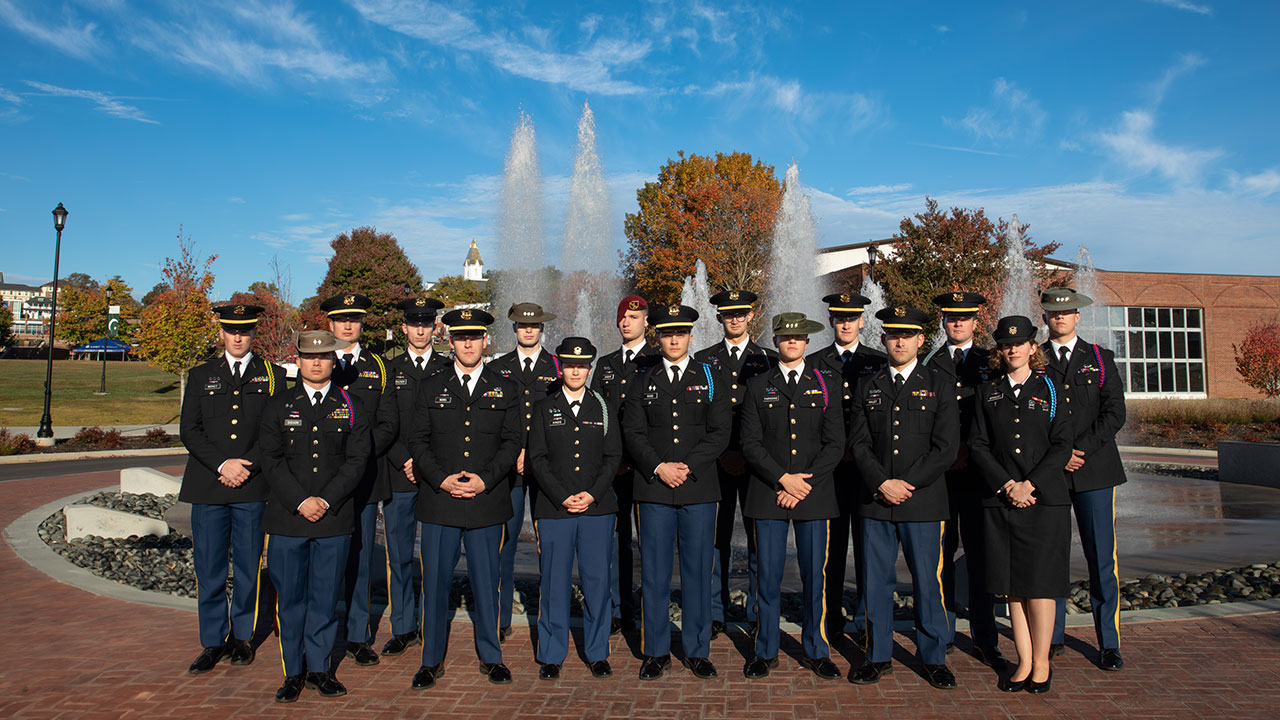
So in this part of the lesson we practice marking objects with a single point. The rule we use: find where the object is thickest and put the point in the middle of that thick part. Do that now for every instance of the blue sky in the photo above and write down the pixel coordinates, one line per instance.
(1143, 129)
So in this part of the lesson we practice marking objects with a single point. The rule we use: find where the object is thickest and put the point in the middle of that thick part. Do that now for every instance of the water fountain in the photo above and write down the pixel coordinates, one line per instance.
(792, 283)
(588, 242)
(696, 294)
(1019, 296)
(871, 326)
(521, 234)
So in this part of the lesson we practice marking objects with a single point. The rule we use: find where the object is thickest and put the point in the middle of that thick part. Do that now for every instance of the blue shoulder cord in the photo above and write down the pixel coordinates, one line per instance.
(711, 385)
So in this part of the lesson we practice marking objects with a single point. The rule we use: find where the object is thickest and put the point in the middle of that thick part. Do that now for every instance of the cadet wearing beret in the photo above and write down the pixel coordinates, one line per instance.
(315, 447)
(533, 369)
(739, 359)
(363, 374)
(904, 435)
(676, 423)
(223, 403)
(849, 360)
(967, 365)
(465, 438)
(1094, 396)
(400, 527)
(574, 449)
(615, 374)
(793, 438)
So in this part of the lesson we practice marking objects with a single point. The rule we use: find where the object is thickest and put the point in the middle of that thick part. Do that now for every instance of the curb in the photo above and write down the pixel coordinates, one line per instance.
(1176, 452)
(89, 455)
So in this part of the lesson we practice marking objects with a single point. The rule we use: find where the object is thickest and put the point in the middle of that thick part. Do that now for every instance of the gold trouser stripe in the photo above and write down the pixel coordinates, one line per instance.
(497, 631)
(1115, 564)
(257, 588)
(279, 628)
(942, 531)
(386, 544)
(822, 580)
(644, 636)
(537, 541)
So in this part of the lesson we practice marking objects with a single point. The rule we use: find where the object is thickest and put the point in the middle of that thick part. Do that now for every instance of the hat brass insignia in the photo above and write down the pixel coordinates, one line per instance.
(844, 298)
(733, 295)
(633, 305)
(239, 310)
(673, 310)
(1013, 330)
(900, 312)
(465, 314)
(957, 297)
(420, 302)
(577, 349)
(349, 300)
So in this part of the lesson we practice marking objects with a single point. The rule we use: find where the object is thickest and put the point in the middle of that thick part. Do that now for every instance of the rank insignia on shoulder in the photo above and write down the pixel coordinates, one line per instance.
(494, 393)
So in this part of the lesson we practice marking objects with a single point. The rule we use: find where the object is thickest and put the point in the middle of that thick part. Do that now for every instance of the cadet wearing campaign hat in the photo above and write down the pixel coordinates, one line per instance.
(465, 437)
(615, 374)
(1094, 401)
(968, 366)
(573, 452)
(676, 488)
(316, 440)
(400, 527)
(739, 358)
(533, 369)
(221, 409)
(364, 374)
(848, 360)
(904, 435)
(793, 437)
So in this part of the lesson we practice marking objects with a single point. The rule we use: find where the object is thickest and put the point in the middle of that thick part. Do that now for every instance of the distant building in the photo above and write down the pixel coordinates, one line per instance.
(31, 306)
(473, 266)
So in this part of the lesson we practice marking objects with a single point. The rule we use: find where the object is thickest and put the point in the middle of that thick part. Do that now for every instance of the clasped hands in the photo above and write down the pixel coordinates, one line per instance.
(233, 472)
(578, 502)
(895, 492)
(794, 489)
(463, 485)
(672, 474)
(313, 508)
(1020, 494)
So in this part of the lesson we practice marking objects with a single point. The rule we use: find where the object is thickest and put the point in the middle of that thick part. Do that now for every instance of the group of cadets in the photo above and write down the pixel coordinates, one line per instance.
(904, 447)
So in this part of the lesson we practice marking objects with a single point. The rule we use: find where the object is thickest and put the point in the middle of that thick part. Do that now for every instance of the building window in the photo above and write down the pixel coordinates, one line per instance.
(1159, 351)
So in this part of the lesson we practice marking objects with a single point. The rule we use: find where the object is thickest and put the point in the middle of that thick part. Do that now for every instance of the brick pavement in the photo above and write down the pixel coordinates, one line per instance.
(71, 654)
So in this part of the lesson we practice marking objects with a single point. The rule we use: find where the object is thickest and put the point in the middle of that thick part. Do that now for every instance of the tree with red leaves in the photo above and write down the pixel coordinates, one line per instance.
(1258, 357)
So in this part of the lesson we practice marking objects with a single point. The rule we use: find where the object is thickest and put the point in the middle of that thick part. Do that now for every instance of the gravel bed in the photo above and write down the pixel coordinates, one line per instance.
(1195, 472)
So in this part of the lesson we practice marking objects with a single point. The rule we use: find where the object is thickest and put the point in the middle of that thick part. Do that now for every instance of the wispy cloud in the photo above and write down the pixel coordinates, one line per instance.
(1263, 184)
(108, 104)
(956, 148)
(1133, 144)
(236, 200)
(59, 29)
(591, 69)
(1012, 114)
(850, 111)
(878, 189)
(1184, 5)
(10, 97)
(942, 29)
(1186, 63)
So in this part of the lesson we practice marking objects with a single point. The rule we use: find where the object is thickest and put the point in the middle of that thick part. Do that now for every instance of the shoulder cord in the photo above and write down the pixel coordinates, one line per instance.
(604, 410)
(271, 380)
(382, 375)
(711, 385)
(1053, 397)
(823, 383)
(1102, 368)
(351, 409)
(556, 361)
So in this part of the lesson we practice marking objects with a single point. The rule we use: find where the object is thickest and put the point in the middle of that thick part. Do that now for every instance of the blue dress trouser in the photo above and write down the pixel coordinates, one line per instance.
(307, 573)
(401, 528)
(559, 540)
(358, 586)
(970, 528)
(507, 580)
(661, 528)
(1096, 522)
(811, 554)
(922, 546)
(733, 492)
(441, 548)
(845, 527)
(217, 530)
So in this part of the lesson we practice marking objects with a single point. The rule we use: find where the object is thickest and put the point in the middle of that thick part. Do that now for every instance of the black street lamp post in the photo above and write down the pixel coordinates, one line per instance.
(44, 436)
(102, 389)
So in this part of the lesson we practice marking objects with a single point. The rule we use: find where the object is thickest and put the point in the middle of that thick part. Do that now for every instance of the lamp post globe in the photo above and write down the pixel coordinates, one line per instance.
(44, 436)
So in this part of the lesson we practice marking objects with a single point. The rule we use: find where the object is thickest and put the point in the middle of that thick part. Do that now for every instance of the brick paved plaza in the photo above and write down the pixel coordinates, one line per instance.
(72, 654)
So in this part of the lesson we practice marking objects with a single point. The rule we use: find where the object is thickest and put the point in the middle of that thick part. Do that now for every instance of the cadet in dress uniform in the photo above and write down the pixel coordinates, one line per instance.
(739, 359)
(793, 438)
(315, 443)
(676, 424)
(220, 413)
(533, 369)
(1094, 396)
(574, 449)
(465, 438)
(849, 360)
(1020, 441)
(418, 362)
(363, 374)
(967, 365)
(614, 375)
(905, 434)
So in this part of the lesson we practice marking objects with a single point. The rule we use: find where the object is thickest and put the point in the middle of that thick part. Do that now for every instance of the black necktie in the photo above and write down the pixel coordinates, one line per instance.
(791, 379)
(347, 359)
(897, 383)
(418, 361)
(1062, 356)
(574, 406)
(466, 388)
(528, 367)
(733, 351)
(958, 357)
(675, 375)
(630, 354)
(235, 369)
(1017, 389)
(316, 397)
(847, 355)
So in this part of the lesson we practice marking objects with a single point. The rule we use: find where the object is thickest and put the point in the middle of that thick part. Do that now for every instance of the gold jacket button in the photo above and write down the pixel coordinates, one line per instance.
(234, 421)
(235, 407)
(675, 427)
(315, 455)
(575, 469)
(675, 440)
(466, 438)
(1017, 420)
(793, 452)
(896, 408)
(897, 423)
(793, 436)
(233, 436)
(1017, 451)
(314, 442)
(1017, 436)
(315, 429)
(895, 437)
(466, 454)
(576, 455)
(575, 442)
(466, 422)
(315, 469)
(576, 428)
(895, 451)
(235, 392)
(793, 421)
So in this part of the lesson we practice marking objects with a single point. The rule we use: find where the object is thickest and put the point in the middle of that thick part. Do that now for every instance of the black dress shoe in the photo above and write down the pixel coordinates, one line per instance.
(1036, 688)
(654, 667)
(426, 676)
(242, 652)
(399, 643)
(990, 656)
(208, 658)
(701, 668)
(326, 684)
(822, 667)
(504, 633)
(290, 690)
(601, 669)
(1056, 650)
(497, 672)
(1012, 686)
(718, 628)
(940, 677)
(615, 626)
(758, 668)
(549, 671)
(362, 654)
(870, 673)
(951, 647)
(1111, 660)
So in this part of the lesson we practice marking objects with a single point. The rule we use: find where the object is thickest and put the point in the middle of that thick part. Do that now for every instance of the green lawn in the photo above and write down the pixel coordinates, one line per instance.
(137, 394)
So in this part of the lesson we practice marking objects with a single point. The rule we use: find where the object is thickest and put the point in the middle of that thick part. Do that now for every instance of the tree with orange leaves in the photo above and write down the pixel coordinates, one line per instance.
(720, 210)
(178, 329)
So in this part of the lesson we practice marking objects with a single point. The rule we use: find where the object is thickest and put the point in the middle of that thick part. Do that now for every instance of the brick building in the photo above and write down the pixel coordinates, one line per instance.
(1171, 332)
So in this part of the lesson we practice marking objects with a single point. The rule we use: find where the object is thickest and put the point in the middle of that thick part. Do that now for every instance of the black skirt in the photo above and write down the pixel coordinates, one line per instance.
(1028, 550)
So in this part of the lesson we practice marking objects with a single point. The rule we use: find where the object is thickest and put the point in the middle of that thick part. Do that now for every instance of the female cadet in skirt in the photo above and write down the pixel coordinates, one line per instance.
(1020, 442)
(574, 450)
